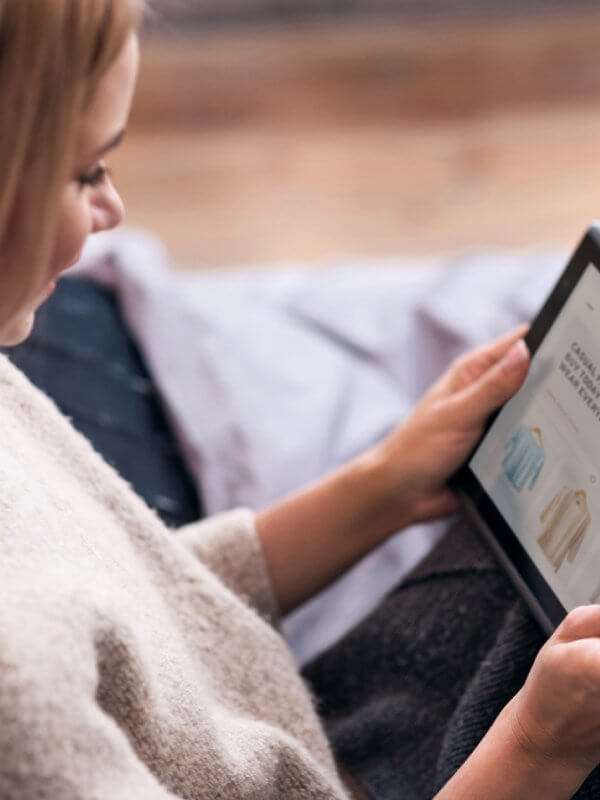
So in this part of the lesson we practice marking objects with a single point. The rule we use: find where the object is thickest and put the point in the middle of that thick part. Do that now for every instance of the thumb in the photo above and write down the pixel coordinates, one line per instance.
(497, 384)
(580, 623)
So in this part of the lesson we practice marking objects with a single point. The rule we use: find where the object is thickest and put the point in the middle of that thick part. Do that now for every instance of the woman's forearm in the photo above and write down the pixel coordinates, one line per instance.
(503, 767)
(313, 536)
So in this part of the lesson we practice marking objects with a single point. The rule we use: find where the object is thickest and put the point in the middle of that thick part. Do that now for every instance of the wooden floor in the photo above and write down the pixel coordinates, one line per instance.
(263, 145)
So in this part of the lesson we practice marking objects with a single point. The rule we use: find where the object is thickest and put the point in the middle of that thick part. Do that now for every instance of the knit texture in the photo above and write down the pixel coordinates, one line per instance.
(407, 696)
(135, 663)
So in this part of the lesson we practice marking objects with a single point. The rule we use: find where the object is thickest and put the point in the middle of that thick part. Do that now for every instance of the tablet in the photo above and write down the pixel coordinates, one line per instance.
(532, 483)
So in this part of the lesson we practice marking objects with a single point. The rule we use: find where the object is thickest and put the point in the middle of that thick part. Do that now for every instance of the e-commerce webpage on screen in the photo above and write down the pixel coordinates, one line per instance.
(540, 462)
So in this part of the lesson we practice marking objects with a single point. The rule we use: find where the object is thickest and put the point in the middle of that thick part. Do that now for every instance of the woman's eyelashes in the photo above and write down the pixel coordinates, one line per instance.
(96, 177)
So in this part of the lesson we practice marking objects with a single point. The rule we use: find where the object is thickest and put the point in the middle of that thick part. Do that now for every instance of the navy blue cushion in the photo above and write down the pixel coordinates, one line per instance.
(81, 354)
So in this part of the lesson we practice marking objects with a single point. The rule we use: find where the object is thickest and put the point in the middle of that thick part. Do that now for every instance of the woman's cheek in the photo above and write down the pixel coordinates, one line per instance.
(74, 227)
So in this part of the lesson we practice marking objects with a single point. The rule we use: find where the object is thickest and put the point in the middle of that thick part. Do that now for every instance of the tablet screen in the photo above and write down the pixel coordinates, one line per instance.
(540, 460)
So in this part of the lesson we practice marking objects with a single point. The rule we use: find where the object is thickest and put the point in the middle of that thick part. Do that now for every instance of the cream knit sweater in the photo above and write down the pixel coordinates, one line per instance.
(135, 664)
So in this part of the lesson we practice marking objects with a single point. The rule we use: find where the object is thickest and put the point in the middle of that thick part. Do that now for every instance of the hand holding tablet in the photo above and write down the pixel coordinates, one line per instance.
(532, 484)
(532, 487)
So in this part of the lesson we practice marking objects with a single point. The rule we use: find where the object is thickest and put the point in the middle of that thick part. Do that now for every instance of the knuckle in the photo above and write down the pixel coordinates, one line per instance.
(448, 412)
(462, 362)
(581, 622)
(574, 621)
(498, 389)
(565, 666)
(579, 666)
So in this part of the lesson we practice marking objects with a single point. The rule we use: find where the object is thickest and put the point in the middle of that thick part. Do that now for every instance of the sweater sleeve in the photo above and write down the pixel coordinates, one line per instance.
(56, 740)
(228, 544)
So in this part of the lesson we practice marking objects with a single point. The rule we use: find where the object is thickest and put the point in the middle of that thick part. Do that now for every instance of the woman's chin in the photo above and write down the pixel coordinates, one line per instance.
(20, 326)
(17, 330)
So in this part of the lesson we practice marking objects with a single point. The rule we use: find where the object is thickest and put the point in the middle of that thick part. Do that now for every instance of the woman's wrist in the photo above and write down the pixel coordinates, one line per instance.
(506, 765)
(383, 491)
(559, 774)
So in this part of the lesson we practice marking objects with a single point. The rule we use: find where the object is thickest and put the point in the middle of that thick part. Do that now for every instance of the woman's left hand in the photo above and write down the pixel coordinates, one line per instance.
(311, 537)
(421, 455)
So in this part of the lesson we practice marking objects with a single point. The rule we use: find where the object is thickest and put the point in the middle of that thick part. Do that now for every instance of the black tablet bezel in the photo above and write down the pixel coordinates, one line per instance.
(474, 498)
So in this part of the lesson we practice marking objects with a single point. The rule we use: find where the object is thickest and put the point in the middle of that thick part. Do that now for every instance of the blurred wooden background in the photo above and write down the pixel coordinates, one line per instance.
(254, 144)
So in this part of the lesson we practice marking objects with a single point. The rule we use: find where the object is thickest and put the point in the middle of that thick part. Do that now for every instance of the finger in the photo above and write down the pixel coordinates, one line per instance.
(581, 623)
(495, 386)
(469, 367)
(499, 347)
(475, 363)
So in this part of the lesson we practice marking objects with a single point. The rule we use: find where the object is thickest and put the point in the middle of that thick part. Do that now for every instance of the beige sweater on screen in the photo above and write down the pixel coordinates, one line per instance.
(135, 663)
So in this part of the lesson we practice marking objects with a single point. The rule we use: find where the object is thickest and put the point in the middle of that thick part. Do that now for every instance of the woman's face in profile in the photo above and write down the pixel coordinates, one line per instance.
(90, 203)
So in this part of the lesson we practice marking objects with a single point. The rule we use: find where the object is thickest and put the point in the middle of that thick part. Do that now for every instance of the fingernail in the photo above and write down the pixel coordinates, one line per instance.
(517, 355)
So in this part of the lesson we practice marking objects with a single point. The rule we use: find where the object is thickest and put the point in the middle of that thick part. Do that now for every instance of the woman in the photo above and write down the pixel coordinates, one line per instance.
(137, 664)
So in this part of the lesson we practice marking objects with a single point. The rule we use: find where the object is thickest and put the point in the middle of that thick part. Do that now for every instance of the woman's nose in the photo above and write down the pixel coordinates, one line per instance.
(109, 210)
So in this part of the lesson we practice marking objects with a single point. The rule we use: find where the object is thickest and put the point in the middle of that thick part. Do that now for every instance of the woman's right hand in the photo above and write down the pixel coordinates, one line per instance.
(546, 741)
(557, 712)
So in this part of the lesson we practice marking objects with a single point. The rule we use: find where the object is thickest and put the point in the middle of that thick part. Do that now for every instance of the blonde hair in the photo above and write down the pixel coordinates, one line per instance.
(52, 55)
